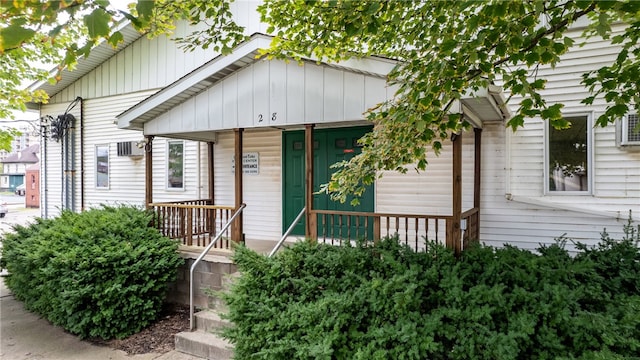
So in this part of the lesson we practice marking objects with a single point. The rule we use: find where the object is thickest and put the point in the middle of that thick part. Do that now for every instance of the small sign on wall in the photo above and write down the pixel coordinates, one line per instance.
(250, 163)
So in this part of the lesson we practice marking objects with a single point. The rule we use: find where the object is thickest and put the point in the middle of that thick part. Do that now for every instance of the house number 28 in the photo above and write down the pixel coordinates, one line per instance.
(274, 117)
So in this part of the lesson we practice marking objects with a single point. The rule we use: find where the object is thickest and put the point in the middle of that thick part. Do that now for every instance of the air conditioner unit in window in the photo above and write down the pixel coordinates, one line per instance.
(130, 148)
(630, 130)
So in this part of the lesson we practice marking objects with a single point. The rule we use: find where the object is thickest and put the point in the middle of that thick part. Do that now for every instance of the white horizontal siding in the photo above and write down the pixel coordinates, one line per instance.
(126, 174)
(51, 190)
(195, 181)
(262, 192)
(428, 192)
(275, 93)
(535, 217)
(528, 225)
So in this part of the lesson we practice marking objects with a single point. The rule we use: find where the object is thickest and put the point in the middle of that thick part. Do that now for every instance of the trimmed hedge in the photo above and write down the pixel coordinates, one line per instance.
(100, 273)
(385, 301)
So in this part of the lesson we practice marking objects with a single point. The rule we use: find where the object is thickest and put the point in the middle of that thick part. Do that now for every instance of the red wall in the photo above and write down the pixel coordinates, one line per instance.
(32, 188)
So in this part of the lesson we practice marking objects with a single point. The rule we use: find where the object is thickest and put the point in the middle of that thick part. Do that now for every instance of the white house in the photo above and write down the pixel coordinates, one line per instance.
(155, 126)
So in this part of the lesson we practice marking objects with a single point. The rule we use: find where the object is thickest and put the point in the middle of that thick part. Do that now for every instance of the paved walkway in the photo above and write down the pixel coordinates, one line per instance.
(26, 336)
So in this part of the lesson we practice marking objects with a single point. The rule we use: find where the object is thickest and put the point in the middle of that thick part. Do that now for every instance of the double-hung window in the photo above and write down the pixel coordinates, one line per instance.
(102, 166)
(568, 167)
(175, 164)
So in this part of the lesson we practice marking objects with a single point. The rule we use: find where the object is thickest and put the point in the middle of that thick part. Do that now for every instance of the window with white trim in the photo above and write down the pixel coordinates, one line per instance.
(568, 166)
(631, 130)
(175, 164)
(102, 166)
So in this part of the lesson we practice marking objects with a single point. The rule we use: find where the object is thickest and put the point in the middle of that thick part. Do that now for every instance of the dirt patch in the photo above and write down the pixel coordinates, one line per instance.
(157, 337)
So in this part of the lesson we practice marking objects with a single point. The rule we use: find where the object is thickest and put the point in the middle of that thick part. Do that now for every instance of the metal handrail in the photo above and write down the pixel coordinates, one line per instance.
(201, 256)
(289, 230)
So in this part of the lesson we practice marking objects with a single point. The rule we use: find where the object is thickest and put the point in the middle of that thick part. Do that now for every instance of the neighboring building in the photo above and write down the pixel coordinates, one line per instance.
(32, 186)
(154, 124)
(26, 138)
(15, 165)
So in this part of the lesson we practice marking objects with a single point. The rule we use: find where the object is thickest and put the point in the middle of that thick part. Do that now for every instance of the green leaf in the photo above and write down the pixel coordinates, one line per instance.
(351, 29)
(98, 23)
(13, 36)
(116, 38)
(145, 9)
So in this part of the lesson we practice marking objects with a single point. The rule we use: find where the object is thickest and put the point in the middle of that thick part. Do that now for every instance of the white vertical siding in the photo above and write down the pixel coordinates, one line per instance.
(272, 93)
(144, 64)
(153, 63)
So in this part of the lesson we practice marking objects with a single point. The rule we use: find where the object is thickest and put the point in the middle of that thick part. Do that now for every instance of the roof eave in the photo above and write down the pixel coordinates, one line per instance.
(98, 55)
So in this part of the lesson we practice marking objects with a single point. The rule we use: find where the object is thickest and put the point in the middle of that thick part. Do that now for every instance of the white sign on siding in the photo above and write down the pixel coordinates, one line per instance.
(250, 163)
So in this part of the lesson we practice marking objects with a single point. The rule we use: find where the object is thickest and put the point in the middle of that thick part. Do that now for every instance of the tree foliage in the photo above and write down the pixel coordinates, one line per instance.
(38, 35)
(444, 49)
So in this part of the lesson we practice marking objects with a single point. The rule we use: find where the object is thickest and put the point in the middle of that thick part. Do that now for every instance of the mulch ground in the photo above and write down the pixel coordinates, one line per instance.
(158, 337)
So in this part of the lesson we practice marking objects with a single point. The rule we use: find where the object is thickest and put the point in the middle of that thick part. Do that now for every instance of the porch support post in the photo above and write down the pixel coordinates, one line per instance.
(454, 240)
(477, 167)
(148, 170)
(237, 233)
(311, 227)
(211, 169)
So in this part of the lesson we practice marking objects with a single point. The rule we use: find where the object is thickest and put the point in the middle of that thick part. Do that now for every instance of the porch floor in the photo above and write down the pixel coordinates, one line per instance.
(259, 246)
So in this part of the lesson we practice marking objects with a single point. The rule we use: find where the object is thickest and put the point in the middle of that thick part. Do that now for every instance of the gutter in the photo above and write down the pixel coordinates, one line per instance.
(555, 206)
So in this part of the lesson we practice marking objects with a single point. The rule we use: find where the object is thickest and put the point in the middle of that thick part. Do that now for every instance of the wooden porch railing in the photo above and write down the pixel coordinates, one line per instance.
(194, 222)
(338, 226)
(472, 232)
(197, 222)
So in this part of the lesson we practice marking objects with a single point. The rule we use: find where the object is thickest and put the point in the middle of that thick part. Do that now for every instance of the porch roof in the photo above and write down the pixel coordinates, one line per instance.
(222, 66)
(485, 104)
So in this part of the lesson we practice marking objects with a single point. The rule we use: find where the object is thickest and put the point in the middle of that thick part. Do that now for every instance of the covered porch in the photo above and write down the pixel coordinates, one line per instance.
(196, 222)
(238, 105)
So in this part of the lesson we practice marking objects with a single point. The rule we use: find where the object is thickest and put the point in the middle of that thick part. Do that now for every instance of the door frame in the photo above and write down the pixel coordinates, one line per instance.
(287, 217)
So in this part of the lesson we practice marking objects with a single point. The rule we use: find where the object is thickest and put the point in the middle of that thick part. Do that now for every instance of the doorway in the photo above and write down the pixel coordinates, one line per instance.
(330, 147)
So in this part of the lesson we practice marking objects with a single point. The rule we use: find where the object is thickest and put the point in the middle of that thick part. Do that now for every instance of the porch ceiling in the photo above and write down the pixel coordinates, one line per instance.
(486, 104)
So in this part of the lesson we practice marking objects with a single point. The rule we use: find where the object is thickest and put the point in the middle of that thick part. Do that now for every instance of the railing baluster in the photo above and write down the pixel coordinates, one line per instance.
(340, 229)
(387, 234)
(426, 229)
(324, 228)
(406, 231)
(196, 222)
(416, 224)
(376, 228)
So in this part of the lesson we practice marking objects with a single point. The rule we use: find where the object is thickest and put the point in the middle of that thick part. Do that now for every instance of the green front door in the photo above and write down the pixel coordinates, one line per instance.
(330, 146)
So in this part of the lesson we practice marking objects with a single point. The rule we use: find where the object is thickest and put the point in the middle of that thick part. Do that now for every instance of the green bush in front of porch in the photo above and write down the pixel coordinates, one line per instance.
(384, 301)
(100, 273)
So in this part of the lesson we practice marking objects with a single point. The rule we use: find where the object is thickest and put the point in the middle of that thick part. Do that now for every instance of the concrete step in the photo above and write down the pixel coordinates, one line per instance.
(210, 321)
(204, 345)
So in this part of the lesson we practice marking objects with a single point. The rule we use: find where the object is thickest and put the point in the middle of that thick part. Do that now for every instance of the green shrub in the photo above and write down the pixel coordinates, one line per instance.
(384, 301)
(100, 273)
